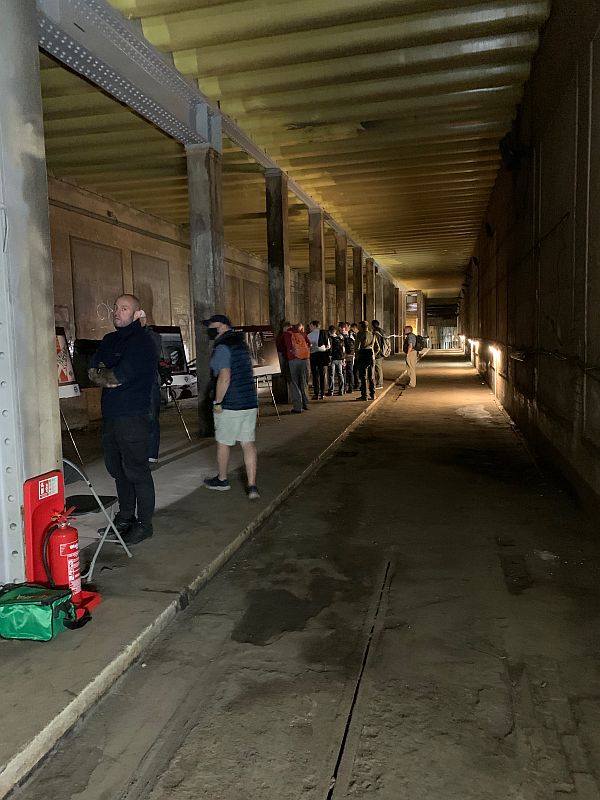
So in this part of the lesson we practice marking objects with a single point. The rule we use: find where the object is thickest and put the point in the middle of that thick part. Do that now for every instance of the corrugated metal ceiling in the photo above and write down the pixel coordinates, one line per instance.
(387, 112)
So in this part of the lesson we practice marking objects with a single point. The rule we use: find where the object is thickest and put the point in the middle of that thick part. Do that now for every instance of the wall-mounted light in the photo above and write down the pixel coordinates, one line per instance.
(495, 356)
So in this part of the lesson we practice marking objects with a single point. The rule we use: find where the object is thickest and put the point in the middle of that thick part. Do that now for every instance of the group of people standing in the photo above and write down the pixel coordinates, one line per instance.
(341, 359)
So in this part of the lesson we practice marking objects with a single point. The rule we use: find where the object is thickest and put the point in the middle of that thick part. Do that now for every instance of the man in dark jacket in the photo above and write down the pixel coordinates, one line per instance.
(235, 405)
(125, 367)
(366, 349)
(349, 340)
(337, 365)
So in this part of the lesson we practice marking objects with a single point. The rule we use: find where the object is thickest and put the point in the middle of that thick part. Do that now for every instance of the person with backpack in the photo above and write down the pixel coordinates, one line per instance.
(297, 353)
(348, 337)
(411, 352)
(338, 361)
(384, 351)
(235, 404)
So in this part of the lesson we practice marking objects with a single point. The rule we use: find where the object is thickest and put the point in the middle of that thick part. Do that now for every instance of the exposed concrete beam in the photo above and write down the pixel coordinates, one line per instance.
(95, 41)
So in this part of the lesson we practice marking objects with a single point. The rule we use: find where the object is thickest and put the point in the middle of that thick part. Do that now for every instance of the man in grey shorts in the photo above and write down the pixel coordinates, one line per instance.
(235, 405)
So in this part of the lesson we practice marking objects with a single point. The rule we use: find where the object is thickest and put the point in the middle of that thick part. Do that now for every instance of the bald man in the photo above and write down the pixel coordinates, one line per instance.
(125, 367)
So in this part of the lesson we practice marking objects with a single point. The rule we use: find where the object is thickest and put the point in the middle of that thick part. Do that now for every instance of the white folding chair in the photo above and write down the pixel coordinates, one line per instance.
(92, 503)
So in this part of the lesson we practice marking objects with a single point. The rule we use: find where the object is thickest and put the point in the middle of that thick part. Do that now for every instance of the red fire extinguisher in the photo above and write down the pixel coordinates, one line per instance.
(60, 554)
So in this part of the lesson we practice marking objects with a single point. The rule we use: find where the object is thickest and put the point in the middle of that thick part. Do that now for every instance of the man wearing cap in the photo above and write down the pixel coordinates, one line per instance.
(235, 404)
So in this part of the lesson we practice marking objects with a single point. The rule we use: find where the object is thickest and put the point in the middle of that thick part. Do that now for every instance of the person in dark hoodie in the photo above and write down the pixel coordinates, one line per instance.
(125, 367)
(235, 405)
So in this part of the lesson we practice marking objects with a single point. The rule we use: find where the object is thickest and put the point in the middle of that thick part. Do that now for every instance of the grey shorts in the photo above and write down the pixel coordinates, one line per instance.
(235, 426)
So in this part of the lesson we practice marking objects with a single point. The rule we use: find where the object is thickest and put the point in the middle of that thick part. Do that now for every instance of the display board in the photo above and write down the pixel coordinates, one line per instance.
(263, 350)
(67, 384)
(172, 349)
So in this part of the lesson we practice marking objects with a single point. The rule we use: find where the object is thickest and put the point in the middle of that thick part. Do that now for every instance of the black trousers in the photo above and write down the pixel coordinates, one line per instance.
(318, 365)
(350, 382)
(365, 364)
(125, 441)
(154, 443)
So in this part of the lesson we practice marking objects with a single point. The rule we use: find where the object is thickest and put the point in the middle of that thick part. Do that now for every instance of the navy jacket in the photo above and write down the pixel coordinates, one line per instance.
(131, 354)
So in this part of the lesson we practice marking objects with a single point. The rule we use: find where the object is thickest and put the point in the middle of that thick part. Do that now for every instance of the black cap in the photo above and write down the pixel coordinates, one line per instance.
(217, 318)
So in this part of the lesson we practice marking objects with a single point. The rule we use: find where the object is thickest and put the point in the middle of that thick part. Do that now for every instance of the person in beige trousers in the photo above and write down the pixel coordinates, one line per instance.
(409, 348)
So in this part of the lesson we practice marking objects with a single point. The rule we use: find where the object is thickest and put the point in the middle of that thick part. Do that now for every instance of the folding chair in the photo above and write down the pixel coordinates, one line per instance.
(86, 504)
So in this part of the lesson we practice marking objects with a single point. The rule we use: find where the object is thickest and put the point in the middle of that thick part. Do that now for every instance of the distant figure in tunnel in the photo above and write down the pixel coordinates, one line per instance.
(378, 368)
(410, 350)
(366, 346)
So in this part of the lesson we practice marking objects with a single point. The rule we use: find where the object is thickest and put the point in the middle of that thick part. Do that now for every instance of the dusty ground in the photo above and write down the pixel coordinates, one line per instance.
(418, 622)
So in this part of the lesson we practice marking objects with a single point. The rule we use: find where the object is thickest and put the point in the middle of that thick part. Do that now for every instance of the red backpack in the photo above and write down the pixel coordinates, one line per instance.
(299, 347)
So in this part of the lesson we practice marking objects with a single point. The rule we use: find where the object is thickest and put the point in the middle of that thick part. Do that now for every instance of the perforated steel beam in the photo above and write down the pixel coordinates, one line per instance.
(91, 38)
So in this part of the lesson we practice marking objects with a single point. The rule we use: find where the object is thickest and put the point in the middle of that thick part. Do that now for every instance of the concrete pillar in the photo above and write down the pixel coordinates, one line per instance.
(370, 290)
(278, 258)
(30, 439)
(421, 314)
(358, 288)
(316, 261)
(208, 261)
(397, 320)
(341, 277)
(277, 246)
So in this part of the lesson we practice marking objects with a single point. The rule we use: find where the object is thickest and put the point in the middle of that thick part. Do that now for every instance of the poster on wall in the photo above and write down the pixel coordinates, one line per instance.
(172, 349)
(67, 384)
(261, 343)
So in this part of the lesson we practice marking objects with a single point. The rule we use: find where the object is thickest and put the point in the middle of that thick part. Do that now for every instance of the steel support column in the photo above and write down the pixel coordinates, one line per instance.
(276, 186)
(358, 289)
(341, 277)
(316, 261)
(208, 261)
(370, 290)
(30, 441)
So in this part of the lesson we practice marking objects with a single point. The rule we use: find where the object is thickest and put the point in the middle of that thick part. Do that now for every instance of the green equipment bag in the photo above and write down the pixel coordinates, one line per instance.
(29, 611)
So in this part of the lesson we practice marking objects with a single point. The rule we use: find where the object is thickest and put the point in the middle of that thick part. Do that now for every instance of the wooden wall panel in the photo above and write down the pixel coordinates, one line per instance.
(97, 282)
(151, 286)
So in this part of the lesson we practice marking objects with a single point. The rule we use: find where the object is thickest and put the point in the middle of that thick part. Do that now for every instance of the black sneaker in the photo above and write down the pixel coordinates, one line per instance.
(138, 533)
(253, 493)
(122, 525)
(216, 484)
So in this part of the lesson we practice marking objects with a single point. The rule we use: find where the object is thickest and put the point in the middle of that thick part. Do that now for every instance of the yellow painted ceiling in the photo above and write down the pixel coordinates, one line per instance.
(387, 112)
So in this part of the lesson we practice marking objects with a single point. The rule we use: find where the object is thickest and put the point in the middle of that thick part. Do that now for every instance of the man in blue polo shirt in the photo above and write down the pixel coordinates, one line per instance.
(125, 367)
(235, 405)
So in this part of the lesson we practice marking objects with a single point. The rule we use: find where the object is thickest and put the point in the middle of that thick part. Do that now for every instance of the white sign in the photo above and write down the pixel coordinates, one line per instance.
(48, 487)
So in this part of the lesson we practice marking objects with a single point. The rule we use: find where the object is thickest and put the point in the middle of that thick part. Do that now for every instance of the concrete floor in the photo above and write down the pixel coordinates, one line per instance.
(418, 621)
